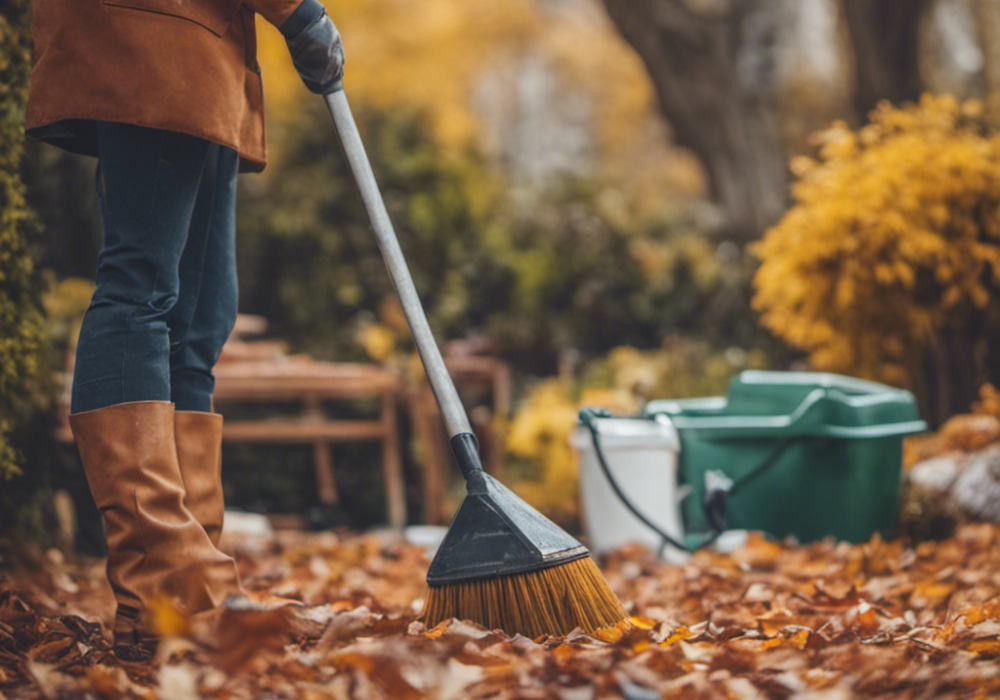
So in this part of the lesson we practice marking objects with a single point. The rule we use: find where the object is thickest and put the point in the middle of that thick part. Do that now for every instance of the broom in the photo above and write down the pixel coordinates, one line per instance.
(502, 564)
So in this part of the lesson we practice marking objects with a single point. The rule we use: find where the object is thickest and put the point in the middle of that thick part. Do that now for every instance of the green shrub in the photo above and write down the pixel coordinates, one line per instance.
(309, 260)
(589, 275)
(21, 388)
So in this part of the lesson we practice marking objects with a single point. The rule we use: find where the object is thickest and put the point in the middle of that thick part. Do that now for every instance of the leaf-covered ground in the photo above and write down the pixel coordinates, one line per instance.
(824, 622)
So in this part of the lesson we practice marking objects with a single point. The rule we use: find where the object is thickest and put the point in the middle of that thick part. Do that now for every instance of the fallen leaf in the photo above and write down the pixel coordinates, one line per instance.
(681, 634)
(989, 610)
(245, 633)
(168, 619)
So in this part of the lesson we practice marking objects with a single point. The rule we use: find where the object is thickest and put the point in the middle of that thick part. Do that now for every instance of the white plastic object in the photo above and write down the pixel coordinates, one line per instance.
(642, 455)
(427, 536)
(237, 522)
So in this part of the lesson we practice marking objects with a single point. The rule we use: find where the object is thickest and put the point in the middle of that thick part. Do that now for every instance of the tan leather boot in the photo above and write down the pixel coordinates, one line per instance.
(155, 546)
(199, 452)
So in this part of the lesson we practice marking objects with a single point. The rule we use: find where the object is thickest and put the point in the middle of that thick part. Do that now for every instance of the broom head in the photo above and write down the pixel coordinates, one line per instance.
(506, 566)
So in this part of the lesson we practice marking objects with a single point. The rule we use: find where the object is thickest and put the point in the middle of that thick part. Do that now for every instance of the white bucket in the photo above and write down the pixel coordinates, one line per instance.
(642, 456)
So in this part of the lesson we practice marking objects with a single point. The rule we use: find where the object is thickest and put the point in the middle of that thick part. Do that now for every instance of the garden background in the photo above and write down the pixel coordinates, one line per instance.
(625, 201)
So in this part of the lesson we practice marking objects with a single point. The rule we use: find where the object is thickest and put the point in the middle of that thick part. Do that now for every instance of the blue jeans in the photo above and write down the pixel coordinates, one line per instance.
(166, 294)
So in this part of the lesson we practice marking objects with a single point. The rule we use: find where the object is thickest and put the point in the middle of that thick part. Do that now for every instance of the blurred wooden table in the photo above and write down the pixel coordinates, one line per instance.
(310, 383)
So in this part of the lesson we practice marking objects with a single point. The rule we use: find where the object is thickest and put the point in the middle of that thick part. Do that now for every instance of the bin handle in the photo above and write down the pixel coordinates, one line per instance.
(588, 417)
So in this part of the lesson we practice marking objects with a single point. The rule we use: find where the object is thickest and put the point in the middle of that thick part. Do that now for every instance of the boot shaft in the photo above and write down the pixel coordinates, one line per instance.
(199, 452)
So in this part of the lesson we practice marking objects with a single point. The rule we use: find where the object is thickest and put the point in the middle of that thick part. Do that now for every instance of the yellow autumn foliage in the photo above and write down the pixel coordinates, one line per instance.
(894, 237)
(988, 403)
(448, 58)
(377, 340)
(418, 55)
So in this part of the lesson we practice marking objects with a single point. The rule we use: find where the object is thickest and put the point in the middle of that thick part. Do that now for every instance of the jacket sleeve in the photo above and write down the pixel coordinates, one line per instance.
(277, 12)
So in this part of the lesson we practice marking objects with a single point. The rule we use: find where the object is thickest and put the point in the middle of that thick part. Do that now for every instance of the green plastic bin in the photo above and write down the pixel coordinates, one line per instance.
(808, 454)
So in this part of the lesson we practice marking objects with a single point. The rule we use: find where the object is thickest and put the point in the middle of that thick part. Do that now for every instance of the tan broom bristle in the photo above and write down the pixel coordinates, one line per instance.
(552, 601)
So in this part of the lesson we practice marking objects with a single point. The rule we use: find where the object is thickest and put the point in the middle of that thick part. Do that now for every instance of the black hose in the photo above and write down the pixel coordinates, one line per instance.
(588, 417)
(714, 503)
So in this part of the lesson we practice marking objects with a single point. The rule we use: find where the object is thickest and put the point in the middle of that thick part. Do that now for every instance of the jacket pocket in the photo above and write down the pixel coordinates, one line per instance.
(213, 15)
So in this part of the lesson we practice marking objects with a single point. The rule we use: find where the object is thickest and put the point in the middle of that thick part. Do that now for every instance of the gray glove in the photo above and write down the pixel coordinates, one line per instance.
(314, 43)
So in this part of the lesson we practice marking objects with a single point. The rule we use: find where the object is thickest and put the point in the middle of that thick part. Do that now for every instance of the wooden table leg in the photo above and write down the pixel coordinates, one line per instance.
(322, 455)
(426, 426)
(392, 466)
(325, 482)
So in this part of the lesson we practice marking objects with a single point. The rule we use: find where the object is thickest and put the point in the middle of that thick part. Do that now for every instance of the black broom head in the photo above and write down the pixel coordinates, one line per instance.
(495, 533)
(505, 565)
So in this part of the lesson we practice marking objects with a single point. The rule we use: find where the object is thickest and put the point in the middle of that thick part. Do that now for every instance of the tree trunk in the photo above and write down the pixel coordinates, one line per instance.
(884, 35)
(711, 72)
(988, 22)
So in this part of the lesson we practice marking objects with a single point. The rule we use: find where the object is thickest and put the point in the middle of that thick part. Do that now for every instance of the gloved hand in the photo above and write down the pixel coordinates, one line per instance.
(314, 43)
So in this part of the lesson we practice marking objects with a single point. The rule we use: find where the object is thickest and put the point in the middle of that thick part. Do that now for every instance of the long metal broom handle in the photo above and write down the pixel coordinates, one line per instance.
(455, 418)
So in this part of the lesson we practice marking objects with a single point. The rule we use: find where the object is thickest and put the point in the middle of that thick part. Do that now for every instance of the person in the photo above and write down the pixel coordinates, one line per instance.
(167, 95)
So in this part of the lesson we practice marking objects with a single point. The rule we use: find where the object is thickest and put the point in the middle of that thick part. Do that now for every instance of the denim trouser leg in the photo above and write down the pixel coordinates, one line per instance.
(205, 312)
(156, 204)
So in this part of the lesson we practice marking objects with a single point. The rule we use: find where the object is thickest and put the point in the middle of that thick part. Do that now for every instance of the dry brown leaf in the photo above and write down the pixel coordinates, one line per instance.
(380, 672)
(246, 634)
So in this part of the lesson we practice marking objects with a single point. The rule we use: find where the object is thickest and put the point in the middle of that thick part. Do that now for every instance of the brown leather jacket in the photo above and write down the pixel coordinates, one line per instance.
(183, 65)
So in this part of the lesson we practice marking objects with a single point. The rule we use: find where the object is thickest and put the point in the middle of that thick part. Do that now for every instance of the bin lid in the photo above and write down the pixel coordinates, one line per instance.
(787, 404)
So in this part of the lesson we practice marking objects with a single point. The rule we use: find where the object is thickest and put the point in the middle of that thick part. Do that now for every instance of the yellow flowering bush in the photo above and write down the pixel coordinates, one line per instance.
(539, 441)
(885, 266)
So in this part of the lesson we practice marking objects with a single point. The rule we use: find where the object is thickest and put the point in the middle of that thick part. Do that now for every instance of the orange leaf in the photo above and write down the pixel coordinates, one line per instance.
(770, 643)
(245, 633)
(934, 589)
(643, 623)
(800, 638)
(682, 633)
(985, 647)
(866, 622)
(989, 610)
(564, 652)
(382, 672)
(611, 634)
(640, 647)
(168, 619)
(773, 622)
(437, 631)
